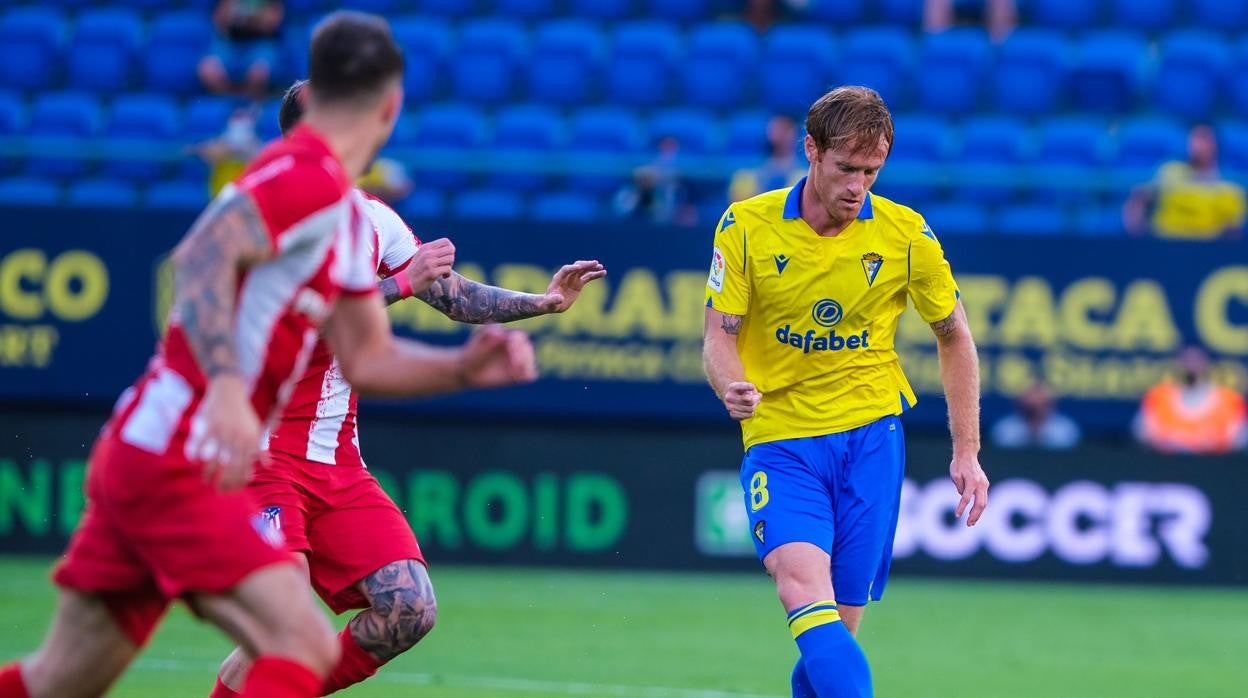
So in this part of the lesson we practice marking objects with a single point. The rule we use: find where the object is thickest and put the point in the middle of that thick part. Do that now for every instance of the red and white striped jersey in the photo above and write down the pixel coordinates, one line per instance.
(319, 422)
(320, 241)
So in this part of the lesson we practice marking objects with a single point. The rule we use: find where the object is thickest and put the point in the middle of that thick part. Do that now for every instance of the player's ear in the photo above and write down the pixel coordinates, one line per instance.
(812, 150)
(392, 104)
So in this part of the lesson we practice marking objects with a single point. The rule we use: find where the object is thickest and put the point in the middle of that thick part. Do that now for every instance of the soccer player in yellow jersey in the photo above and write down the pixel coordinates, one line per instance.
(806, 287)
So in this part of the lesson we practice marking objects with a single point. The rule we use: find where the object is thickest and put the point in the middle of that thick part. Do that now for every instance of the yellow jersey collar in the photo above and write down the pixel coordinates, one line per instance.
(793, 203)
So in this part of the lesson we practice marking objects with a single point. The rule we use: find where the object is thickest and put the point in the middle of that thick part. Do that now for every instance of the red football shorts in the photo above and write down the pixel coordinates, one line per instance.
(339, 517)
(155, 530)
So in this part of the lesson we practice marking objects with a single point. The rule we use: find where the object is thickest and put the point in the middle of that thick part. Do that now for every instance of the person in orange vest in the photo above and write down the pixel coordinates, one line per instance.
(1192, 414)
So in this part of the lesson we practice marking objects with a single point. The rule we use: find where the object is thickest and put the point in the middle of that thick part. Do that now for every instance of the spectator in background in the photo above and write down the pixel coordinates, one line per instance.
(1192, 414)
(1001, 16)
(245, 48)
(387, 180)
(1188, 200)
(781, 168)
(1036, 423)
(227, 155)
(657, 192)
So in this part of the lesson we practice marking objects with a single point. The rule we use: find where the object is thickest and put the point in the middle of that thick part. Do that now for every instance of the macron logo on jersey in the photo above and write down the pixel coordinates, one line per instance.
(782, 261)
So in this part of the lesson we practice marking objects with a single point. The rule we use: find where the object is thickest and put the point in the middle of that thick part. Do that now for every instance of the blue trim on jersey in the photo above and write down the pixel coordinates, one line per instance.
(905, 404)
(793, 203)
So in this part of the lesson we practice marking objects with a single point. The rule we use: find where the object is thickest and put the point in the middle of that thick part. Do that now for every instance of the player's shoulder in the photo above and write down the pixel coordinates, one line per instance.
(899, 219)
(293, 179)
(768, 206)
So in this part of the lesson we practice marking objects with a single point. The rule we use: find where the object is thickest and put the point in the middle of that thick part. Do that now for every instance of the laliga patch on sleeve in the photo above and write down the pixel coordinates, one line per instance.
(718, 266)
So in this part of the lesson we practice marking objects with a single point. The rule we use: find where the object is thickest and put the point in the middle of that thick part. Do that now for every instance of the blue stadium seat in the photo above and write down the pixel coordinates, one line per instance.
(565, 207)
(31, 39)
(1030, 74)
(63, 117)
(426, 46)
(992, 147)
(1065, 14)
(1233, 146)
(1220, 15)
(177, 195)
(1239, 78)
(955, 64)
(677, 10)
(12, 113)
(1151, 16)
(745, 136)
(448, 8)
(422, 205)
(102, 53)
(798, 62)
(150, 121)
(178, 41)
(1031, 219)
(907, 13)
(486, 60)
(268, 126)
(1070, 148)
(526, 9)
(919, 142)
(835, 11)
(1191, 77)
(598, 134)
(602, 9)
(102, 193)
(29, 191)
(206, 116)
(449, 126)
(643, 59)
(719, 68)
(1098, 221)
(487, 204)
(377, 7)
(891, 51)
(564, 67)
(528, 135)
(1145, 142)
(957, 218)
(1108, 73)
(695, 129)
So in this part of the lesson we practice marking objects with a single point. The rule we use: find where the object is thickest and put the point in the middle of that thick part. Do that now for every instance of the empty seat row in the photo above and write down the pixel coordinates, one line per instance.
(721, 65)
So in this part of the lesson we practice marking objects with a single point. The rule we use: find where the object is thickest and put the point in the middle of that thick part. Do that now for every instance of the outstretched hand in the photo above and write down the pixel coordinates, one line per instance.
(567, 284)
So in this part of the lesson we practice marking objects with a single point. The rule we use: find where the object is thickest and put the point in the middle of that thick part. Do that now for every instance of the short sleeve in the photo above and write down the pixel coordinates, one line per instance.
(728, 286)
(396, 244)
(289, 192)
(354, 269)
(931, 285)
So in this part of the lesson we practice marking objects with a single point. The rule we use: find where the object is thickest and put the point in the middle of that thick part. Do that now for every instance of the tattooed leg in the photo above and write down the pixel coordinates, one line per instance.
(403, 610)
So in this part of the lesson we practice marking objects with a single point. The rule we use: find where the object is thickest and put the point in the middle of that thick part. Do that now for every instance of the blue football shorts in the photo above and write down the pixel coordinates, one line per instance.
(840, 492)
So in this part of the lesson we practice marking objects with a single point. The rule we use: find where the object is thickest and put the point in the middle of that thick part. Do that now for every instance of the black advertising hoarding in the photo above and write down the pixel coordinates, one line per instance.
(615, 496)
(81, 296)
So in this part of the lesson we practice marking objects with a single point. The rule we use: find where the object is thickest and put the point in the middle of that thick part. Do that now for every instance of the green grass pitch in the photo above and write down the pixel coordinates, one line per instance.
(506, 632)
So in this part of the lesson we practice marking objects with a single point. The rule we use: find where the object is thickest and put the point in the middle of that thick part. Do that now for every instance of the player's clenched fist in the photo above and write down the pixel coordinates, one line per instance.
(432, 261)
(496, 357)
(741, 398)
(225, 434)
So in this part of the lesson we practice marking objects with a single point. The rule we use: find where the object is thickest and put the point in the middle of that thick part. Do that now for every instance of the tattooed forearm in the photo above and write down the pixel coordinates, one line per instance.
(468, 301)
(390, 290)
(945, 328)
(228, 236)
(403, 610)
(732, 324)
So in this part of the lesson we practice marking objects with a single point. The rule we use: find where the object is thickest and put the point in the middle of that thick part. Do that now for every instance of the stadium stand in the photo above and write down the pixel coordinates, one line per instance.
(523, 95)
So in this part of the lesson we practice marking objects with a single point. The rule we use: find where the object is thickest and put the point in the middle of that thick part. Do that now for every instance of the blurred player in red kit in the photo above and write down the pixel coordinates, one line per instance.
(280, 258)
(359, 548)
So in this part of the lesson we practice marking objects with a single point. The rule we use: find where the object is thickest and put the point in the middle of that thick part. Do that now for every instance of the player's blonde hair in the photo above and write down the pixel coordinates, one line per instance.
(853, 116)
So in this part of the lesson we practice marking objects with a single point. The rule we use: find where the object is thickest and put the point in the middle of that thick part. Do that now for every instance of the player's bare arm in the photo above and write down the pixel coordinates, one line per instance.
(375, 362)
(464, 300)
(959, 373)
(723, 366)
(227, 238)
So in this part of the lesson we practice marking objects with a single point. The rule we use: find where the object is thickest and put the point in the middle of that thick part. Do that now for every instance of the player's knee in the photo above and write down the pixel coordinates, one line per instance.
(402, 594)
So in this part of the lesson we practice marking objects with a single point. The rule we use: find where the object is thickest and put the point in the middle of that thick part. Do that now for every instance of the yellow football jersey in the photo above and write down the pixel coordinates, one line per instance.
(820, 313)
